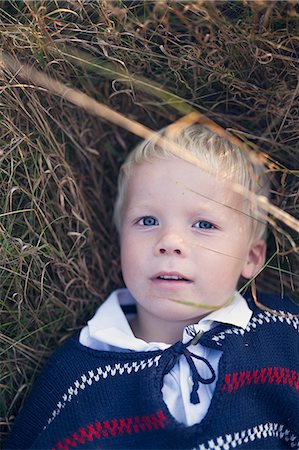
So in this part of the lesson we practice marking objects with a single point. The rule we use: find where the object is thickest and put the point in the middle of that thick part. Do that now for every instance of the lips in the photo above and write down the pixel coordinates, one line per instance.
(171, 277)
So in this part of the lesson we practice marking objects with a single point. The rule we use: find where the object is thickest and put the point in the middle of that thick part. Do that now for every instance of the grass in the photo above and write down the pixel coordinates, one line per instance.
(233, 62)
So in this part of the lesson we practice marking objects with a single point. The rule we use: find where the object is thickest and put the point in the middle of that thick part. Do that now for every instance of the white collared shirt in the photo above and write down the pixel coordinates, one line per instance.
(109, 329)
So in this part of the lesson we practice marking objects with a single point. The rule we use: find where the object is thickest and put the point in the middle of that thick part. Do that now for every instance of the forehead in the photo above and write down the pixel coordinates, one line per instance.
(165, 181)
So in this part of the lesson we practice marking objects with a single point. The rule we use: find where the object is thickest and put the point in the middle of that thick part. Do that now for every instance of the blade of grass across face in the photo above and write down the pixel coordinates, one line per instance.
(227, 302)
(192, 115)
(201, 305)
(82, 100)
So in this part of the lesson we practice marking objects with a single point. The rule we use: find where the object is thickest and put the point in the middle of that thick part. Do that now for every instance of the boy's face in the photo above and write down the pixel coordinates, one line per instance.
(179, 241)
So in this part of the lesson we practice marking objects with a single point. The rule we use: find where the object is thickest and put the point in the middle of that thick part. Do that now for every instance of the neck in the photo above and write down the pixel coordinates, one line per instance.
(152, 329)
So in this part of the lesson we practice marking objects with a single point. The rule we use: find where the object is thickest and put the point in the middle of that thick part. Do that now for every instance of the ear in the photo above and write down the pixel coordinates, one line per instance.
(255, 259)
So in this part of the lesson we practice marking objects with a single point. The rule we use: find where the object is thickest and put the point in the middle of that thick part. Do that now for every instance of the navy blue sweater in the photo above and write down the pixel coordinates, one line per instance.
(92, 399)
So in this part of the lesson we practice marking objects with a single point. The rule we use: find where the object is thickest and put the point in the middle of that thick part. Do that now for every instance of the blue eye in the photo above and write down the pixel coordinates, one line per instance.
(148, 221)
(204, 225)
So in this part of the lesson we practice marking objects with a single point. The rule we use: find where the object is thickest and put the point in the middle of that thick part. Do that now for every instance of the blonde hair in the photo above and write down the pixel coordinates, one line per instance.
(215, 153)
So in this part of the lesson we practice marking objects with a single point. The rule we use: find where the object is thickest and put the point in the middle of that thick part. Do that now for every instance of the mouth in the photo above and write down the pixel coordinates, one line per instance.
(171, 277)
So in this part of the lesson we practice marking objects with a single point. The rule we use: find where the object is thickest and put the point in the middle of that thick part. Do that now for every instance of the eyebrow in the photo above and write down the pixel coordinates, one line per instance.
(141, 208)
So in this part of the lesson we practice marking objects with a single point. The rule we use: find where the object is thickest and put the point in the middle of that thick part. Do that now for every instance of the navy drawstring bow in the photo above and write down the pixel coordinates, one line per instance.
(175, 352)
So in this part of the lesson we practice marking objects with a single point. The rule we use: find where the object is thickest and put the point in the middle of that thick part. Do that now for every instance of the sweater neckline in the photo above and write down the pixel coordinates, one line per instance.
(153, 384)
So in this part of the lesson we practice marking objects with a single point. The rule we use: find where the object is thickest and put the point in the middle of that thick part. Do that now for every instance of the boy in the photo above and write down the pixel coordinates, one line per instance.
(179, 359)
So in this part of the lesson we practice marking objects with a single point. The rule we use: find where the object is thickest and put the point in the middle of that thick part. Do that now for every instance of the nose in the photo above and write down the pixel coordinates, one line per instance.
(171, 244)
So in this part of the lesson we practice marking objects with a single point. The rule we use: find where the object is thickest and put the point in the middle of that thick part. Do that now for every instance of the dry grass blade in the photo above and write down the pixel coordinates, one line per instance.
(78, 98)
(84, 101)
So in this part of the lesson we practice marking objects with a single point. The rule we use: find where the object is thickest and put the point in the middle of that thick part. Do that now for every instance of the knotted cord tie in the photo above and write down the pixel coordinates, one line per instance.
(180, 349)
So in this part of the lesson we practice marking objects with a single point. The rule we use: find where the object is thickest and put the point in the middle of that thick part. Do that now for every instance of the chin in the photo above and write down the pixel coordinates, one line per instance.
(174, 312)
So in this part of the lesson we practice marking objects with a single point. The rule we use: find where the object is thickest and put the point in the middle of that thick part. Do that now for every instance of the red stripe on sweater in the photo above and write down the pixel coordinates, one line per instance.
(112, 428)
(265, 375)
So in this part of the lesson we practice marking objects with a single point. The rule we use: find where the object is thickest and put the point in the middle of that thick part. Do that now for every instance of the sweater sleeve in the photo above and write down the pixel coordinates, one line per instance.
(37, 408)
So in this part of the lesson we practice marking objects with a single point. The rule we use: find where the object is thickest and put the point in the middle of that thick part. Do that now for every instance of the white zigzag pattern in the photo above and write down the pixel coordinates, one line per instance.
(94, 377)
(260, 319)
(262, 431)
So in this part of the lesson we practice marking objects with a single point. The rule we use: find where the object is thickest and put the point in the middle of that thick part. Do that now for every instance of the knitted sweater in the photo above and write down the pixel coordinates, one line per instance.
(93, 399)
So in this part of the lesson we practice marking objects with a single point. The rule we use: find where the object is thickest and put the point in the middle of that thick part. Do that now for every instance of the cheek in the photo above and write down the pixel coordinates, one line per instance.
(126, 257)
(130, 258)
(132, 267)
(221, 269)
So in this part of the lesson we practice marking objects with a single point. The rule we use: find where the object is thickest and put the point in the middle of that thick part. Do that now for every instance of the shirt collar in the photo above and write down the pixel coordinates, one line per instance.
(236, 313)
(110, 324)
